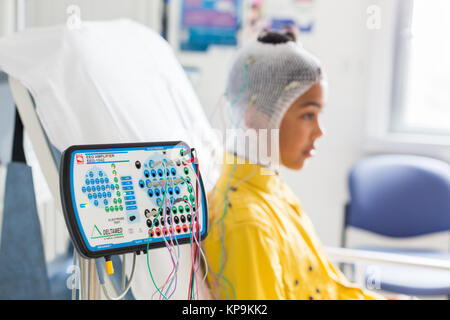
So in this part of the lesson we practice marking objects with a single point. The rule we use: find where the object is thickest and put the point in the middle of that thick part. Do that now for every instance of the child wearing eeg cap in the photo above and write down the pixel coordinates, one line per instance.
(261, 245)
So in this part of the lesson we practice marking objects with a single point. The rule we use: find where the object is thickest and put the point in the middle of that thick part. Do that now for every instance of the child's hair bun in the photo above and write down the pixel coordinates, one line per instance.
(274, 37)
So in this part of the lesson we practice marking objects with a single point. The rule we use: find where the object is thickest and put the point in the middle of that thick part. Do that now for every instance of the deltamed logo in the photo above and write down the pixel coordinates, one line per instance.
(79, 159)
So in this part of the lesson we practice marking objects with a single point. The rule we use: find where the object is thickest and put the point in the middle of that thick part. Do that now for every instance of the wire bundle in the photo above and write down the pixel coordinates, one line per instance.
(196, 251)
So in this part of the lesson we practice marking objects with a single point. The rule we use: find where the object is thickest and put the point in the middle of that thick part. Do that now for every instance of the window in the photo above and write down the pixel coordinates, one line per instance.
(421, 83)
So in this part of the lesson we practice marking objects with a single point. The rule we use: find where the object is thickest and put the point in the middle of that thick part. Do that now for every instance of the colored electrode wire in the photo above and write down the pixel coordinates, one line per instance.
(148, 242)
(170, 248)
(175, 270)
(221, 275)
(193, 279)
(226, 204)
(194, 270)
(196, 240)
(244, 85)
(198, 248)
(175, 264)
(163, 207)
(193, 252)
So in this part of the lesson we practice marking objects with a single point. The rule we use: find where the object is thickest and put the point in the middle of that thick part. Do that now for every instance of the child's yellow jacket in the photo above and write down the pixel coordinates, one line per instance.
(270, 248)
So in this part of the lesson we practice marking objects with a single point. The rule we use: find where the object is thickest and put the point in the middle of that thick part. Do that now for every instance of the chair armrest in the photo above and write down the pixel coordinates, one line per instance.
(356, 255)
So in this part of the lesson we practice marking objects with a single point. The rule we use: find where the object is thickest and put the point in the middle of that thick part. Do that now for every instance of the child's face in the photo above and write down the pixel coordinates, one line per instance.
(300, 128)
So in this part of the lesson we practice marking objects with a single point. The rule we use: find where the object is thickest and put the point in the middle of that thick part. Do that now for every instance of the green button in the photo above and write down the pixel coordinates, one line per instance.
(117, 186)
(111, 208)
(192, 198)
(174, 209)
(117, 208)
(121, 208)
(189, 188)
(118, 193)
(116, 179)
(120, 200)
(186, 170)
(107, 209)
(185, 198)
(115, 200)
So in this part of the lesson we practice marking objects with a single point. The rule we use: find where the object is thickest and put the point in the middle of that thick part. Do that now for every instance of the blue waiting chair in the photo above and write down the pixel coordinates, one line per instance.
(402, 196)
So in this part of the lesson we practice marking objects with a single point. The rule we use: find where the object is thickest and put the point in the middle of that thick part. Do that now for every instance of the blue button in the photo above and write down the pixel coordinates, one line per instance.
(150, 193)
(91, 174)
(103, 188)
(141, 183)
(87, 181)
(98, 188)
(94, 196)
(131, 208)
(148, 182)
(127, 183)
(112, 187)
(177, 190)
(174, 172)
(153, 173)
(102, 180)
(128, 188)
(97, 181)
(109, 194)
(160, 172)
(129, 198)
(99, 195)
(83, 189)
(157, 192)
(104, 194)
(100, 174)
(146, 173)
(90, 196)
(158, 202)
(125, 178)
(172, 200)
(106, 180)
(129, 193)
(96, 202)
(130, 203)
(92, 181)
(105, 202)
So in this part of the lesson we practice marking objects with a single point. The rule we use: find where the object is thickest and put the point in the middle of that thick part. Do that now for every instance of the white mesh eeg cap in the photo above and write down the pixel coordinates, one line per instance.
(265, 80)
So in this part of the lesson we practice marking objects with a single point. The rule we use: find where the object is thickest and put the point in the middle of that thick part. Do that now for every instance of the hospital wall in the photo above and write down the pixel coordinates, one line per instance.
(344, 44)
(341, 40)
